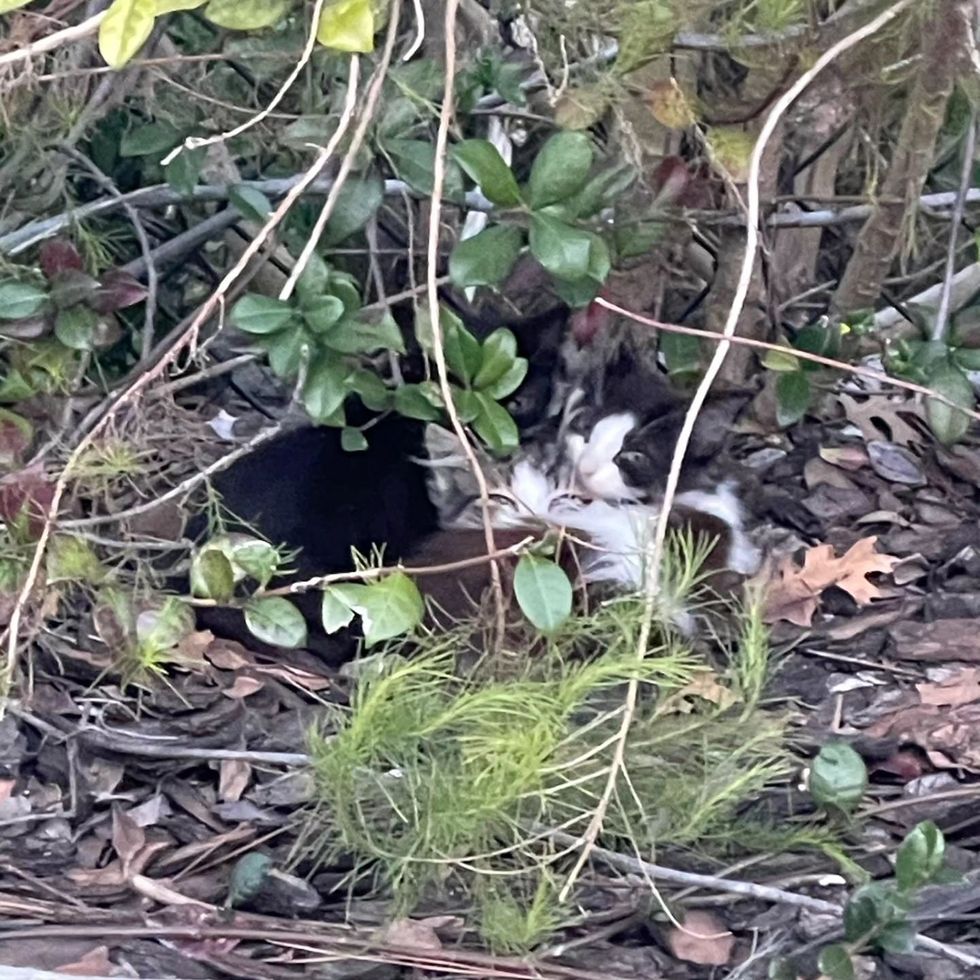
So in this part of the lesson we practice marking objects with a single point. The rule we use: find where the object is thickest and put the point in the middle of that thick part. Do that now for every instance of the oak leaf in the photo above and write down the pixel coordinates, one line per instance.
(794, 593)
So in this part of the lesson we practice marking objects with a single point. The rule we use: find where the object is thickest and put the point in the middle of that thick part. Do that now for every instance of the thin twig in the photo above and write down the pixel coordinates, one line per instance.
(52, 41)
(942, 314)
(856, 369)
(194, 142)
(419, 39)
(432, 291)
(655, 547)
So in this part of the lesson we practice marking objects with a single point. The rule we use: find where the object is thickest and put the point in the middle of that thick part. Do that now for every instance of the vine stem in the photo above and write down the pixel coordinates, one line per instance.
(655, 547)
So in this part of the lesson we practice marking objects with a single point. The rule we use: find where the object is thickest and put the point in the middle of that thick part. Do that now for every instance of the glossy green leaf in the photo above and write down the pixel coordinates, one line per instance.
(949, 424)
(414, 162)
(838, 777)
(19, 300)
(184, 171)
(276, 621)
(347, 25)
(577, 293)
(872, 908)
(390, 607)
(682, 354)
(782, 361)
(151, 139)
(353, 440)
(497, 355)
(563, 250)
(313, 280)
(258, 314)
(366, 335)
(509, 381)
(462, 349)
(412, 402)
(323, 314)
(250, 202)
(285, 350)
(212, 576)
(125, 29)
(543, 591)
(334, 613)
(495, 426)
(246, 15)
(357, 204)
(247, 877)
(77, 327)
(484, 164)
(792, 397)
(372, 390)
(601, 191)
(920, 856)
(560, 169)
(326, 387)
(487, 258)
(835, 963)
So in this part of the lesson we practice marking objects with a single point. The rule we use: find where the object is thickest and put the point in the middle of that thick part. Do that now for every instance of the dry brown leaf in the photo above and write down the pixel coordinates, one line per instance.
(793, 593)
(419, 933)
(950, 736)
(889, 412)
(703, 938)
(243, 687)
(95, 963)
(128, 838)
(942, 640)
(233, 779)
(963, 687)
(846, 457)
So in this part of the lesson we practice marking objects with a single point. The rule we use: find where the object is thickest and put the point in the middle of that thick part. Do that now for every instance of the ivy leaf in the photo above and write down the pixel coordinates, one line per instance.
(124, 30)
(682, 354)
(276, 621)
(948, 423)
(250, 202)
(497, 356)
(246, 15)
(543, 592)
(495, 426)
(835, 963)
(347, 25)
(77, 327)
(334, 613)
(183, 171)
(151, 139)
(365, 336)
(486, 258)
(920, 856)
(509, 381)
(838, 777)
(357, 204)
(388, 608)
(484, 164)
(258, 314)
(412, 402)
(792, 397)
(19, 300)
(564, 251)
(326, 388)
(560, 169)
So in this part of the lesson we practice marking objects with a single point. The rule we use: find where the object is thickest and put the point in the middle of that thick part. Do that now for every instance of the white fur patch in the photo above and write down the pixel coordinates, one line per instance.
(594, 458)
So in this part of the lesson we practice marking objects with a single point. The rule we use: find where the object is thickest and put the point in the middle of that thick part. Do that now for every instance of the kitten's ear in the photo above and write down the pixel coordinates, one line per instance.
(715, 424)
(449, 479)
(441, 444)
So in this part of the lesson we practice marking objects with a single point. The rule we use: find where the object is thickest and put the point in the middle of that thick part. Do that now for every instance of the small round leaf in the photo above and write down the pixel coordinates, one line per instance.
(543, 592)
(276, 621)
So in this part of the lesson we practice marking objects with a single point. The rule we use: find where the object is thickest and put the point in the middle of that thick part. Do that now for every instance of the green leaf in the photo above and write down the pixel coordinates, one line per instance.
(71, 559)
(183, 171)
(7, 5)
(353, 440)
(792, 397)
(899, 937)
(486, 166)
(682, 353)
(153, 139)
(563, 250)
(171, 6)
(462, 349)
(357, 204)
(495, 426)
(920, 856)
(968, 358)
(372, 390)
(163, 627)
(390, 607)
(76, 327)
(19, 300)
(486, 258)
(508, 382)
(560, 169)
(212, 576)
(124, 30)
(497, 356)
(258, 314)
(412, 402)
(334, 613)
(276, 621)
(326, 387)
(838, 777)
(835, 963)
(872, 908)
(782, 361)
(247, 877)
(543, 592)
(948, 423)
(577, 293)
(601, 191)
(347, 25)
(246, 15)
(323, 314)
(285, 350)
(313, 280)
(414, 162)
(250, 202)
(365, 336)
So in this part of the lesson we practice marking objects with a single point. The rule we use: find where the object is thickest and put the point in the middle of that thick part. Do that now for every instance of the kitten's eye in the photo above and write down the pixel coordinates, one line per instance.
(631, 458)
(499, 498)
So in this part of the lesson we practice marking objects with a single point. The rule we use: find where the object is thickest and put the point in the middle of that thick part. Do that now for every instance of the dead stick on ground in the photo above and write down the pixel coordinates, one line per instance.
(656, 546)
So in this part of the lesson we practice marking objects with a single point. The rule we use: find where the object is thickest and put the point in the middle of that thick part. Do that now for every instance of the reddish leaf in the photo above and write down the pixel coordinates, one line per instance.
(27, 490)
(15, 436)
(586, 324)
(58, 255)
(118, 290)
